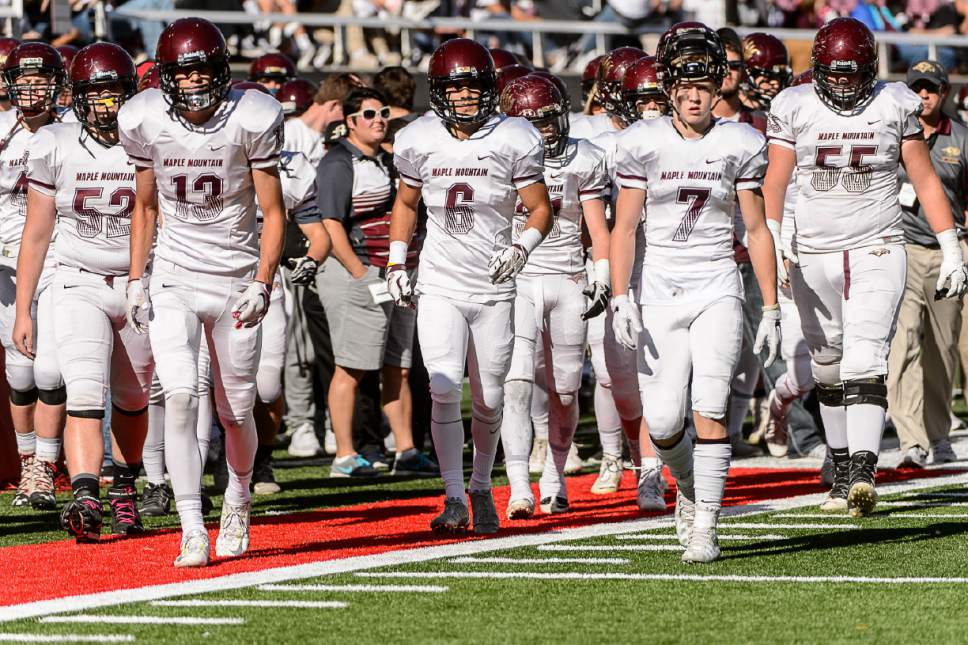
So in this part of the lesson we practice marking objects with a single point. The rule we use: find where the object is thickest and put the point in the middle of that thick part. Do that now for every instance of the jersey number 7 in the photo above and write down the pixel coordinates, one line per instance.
(696, 199)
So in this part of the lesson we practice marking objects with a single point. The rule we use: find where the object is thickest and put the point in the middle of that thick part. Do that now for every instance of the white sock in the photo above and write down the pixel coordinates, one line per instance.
(486, 434)
(608, 421)
(447, 429)
(561, 432)
(241, 443)
(611, 441)
(181, 448)
(153, 453)
(650, 463)
(739, 404)
(680, 462)
(834, 425)
(711, 464)
(865, 427)
(516, 437)
(27, 442)
(48, 449)
(190, 513)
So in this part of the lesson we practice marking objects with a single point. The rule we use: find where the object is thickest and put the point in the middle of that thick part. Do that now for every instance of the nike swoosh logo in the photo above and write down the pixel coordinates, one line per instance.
(873, 122)
(709, 161)
(70, 286)
(483, 157)
(167, 286)
(214, 149)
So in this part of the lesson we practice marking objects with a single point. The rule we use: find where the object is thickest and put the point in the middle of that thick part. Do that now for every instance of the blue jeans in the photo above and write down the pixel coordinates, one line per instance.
(150, 29)
(910, 54)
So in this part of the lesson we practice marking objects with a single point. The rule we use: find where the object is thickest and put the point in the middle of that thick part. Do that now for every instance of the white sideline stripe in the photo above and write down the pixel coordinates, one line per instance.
(298, 604)
(816, 516)
(942, 494)
(572, 575)
(539, 561)
(143, 620)
(721, 536)
(758, 525)
(924, 504)
(357, 588)
(894, 516)
(611, 547)
(66, 638)
(84, 602)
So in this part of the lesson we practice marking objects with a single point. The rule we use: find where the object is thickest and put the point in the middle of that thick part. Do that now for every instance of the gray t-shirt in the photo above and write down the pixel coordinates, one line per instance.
(949, 155)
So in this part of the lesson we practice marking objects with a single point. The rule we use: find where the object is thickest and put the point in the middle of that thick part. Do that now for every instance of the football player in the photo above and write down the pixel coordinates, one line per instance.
(271, 71)
(550, 306)
(203, 155)
(469, 165)
(34, 76)
(845, 134)
(768, 69)
(80, 179)
(687, 324)
(296, 97)
(608, 93)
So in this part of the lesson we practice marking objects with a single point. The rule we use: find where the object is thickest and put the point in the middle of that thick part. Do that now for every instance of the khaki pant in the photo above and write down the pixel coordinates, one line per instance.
(923, 355)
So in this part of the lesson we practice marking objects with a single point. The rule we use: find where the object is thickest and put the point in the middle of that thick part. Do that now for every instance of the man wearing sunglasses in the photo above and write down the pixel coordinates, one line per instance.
(368, 332)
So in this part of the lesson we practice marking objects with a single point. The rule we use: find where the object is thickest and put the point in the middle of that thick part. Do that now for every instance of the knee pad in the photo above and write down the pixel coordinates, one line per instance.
(20, 377)
(184, 407)
(129, 412)
(23, 397)
(826, 372)
(517, 396)
(269, 386)
(830, 395)
(93, 413)
(567, 399)
(56, 396)
(871, 391)
(444, 389)
(663, 422)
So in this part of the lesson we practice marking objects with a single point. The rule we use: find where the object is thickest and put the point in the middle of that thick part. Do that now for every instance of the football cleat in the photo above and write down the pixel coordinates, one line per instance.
(539, 453)
(486, 520)
(453, 519)
(81, 518)
(43, 496)
(156, 500)
(650, 492)
(125, 519)
(685, 515)
(862, 496)
(836, 500)
(609, 475)
(573, 464)
(703, 546)
(194, 549)
(554, 505)
(233, 532)
(26, 485)
(520, 509)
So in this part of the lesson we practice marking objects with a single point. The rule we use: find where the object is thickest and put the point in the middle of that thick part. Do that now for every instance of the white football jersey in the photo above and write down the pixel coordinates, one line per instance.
(575, 176)
(299, 137)
(846, 165)
(691, 189)
(93, 189)
(590, 126)
(203, 175)
(298, 178)
(469, 188)
(14, 143)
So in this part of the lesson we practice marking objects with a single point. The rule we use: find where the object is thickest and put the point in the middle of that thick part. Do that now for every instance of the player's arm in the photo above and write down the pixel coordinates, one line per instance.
(508, 262)
(760, 242)
(143, 220)
(600, 290)
(534, 198)
(403, 224)
(621, 244)
(779, 171)
(41, 215)
(320, 243)
(268, 190)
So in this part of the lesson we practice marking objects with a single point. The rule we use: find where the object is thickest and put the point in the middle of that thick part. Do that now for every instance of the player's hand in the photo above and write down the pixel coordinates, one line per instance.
(23, 335)
(626, 322)
(506, 264)
(398, 284)
(768, 334)
(303, 270)
(249, 310)
(952, 280)
(137, 307)
(598, 293)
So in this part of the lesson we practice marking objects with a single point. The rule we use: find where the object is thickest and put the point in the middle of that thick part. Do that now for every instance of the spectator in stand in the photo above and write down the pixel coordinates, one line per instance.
(384, 44)
(935, 18)
(517, 10)
(292, 30)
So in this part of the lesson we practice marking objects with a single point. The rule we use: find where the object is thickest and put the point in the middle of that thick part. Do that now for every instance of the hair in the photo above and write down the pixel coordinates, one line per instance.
(336, 87)
(353, 101)
(397, 85)
(731, 40)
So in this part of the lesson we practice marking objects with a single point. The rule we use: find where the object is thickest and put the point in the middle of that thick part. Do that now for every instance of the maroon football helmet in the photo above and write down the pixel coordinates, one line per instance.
(275, 66)
(150, 79)
(34, 58)
(101, 66)
(502, 58)
(462, 62)
(690, 51)
(961, 101)
(766, 59)
(508, 74)
(67, 54)
(641, 85)
(610, 74)
(588, 77)
(539, 101)
(244, 86)
(193, 44)
(844, 64)
(560, 84)
(296, 96)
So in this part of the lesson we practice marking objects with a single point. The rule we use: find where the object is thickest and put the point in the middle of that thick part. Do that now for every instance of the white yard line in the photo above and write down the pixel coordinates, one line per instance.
(358, 588)
(893, 516)
(610, 547)
(722, 537)
(924, 504)
(544, 575)
(84, 602)
(780, 527)
(143, 620)
(294, 604)
(66, 638)
(471, 560)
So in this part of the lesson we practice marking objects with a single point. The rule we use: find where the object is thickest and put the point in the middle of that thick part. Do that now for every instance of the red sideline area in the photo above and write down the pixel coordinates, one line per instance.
(63, 568)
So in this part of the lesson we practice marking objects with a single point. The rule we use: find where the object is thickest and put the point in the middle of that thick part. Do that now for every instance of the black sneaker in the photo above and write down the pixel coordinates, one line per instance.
(125, 519)
(376, 458)
(263, 479)
(81, 518)
(836, 501)
(415, 464)
(862, 497)
(156, 500)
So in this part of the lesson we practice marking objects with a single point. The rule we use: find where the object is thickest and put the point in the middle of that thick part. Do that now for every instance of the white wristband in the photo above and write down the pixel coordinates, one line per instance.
(530, 238)
(398, 252)
(774, 227)
(602, 272)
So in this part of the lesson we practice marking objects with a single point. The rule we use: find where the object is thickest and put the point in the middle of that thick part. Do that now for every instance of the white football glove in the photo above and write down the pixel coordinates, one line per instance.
(768, 334)
(250, 308)
(398, 284)
(138, 305)
(598, 293)
(303, 270)
(782, 277)
(506, 264)
(952, 278)
(626, 322)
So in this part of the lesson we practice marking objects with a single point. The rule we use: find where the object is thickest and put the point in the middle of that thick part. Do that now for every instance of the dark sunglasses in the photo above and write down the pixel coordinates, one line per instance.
(369, 113)
(736, 64)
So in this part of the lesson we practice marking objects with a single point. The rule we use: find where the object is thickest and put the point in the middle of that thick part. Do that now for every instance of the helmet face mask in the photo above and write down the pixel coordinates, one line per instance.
(767, 67)
(193, 65)
(103, 77)
(539, 100)
(193, 87)
(845, 65)
(34, 75)
(642, 97)
(690, 52)
(462, 83)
